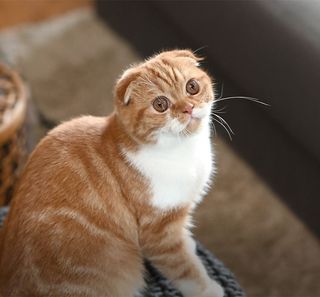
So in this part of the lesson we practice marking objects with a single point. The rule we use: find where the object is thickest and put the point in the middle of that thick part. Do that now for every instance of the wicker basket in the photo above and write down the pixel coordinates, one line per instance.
(13, 106)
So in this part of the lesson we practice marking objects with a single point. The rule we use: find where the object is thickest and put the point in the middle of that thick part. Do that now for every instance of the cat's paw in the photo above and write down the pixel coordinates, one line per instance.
(192, 289)
(213, 290)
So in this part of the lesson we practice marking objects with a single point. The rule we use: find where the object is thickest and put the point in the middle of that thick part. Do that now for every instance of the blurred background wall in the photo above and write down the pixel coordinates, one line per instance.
(14, 12)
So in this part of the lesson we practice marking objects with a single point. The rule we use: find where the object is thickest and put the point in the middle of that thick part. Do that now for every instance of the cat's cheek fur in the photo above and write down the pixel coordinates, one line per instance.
(202, 112)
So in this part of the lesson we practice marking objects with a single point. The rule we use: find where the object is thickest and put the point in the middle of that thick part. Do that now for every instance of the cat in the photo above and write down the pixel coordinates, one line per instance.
(100, 194)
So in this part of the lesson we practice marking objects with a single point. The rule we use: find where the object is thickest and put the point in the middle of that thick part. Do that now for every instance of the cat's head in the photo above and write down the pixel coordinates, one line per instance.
(168, 94)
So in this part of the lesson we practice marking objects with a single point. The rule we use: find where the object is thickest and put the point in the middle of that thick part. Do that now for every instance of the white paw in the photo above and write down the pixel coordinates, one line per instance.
(213, 290)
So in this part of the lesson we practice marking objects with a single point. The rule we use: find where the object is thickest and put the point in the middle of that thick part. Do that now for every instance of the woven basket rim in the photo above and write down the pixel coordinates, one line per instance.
(9, 128)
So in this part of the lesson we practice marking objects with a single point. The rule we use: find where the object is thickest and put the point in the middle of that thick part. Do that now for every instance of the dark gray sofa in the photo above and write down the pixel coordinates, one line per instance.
(265, 49)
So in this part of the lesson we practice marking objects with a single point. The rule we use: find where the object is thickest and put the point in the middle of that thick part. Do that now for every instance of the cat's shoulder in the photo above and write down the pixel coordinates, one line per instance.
(79, 127)
(74, 134)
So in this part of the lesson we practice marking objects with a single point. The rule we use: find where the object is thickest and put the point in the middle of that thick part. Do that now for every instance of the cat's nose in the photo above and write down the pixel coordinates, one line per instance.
(188, 109)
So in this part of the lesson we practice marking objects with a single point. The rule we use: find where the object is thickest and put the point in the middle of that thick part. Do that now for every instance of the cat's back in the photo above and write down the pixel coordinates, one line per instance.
(62, 157)
(64, 216)
(81, 130)
(70, 158)
(59, 171)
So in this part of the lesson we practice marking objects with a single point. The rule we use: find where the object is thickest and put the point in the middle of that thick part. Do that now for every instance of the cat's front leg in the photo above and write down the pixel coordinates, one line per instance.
(175, 257)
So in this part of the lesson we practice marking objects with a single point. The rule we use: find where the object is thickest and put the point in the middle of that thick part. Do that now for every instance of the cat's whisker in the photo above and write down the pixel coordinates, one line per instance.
(244, 98)
(220, 110)
(224, 121)
(186, 132)
(214, 128)
(199, 49)
(221, 92)
(225, 127)
(230, 137)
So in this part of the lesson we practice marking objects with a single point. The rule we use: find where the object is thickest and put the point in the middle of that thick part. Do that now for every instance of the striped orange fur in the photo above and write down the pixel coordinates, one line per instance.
(89, 208)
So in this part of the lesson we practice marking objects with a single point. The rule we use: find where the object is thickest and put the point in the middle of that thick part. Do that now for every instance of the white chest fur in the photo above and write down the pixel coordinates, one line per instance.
(178, 169)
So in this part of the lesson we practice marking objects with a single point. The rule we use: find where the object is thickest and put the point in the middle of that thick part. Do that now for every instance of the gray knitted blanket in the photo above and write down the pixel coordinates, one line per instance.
(159, 286)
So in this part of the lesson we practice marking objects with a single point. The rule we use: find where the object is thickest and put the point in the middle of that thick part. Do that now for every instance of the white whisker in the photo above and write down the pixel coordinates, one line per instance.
(221, 92)
(242, 97)
(199, 49)
(220, 110)
(214, 128)
(225, 122)
(221, 123)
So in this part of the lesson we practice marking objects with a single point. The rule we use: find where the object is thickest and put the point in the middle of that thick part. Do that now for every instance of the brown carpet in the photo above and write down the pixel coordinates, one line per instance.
(71, 64)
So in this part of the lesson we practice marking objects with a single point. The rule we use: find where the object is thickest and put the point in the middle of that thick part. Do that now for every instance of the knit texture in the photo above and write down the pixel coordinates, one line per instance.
(159, 286)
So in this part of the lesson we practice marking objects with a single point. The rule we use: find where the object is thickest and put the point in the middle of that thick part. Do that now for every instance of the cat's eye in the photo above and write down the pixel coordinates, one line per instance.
(161, 103)
(192, 87)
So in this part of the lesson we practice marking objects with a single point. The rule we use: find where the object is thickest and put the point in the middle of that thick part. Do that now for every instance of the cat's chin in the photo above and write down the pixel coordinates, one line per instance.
(193, 125)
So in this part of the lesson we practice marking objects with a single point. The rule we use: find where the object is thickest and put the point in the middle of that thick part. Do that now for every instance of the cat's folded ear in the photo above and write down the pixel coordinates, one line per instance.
(186, 53)
(122, 88)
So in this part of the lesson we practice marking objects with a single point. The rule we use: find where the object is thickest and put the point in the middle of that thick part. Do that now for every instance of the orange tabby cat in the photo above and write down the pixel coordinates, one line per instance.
(100, 194)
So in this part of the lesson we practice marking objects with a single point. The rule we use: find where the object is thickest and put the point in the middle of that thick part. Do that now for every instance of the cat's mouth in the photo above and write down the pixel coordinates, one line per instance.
(196, 116)
(194, 120)
(193, 123)
(188, 123)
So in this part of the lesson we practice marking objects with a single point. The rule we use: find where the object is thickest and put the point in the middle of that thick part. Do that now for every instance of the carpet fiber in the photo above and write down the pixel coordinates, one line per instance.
(71, 64)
